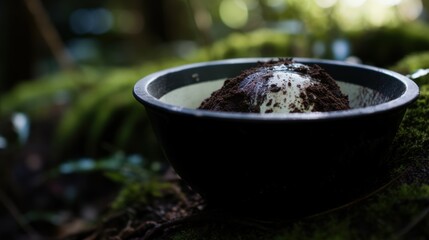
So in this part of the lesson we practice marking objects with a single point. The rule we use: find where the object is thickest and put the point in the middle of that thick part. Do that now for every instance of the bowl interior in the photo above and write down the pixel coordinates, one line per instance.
(189, 86)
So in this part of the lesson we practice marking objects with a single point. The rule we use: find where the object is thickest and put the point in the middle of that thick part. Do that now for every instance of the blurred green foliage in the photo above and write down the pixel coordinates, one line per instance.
(414, 64)
(387, 45)
(259, 43)
(139, 179)
(98, 114)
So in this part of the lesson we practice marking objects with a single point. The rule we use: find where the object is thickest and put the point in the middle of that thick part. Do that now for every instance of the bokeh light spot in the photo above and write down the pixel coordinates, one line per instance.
(83, 49)
(326, 3)
(80, 21)
(277, 5)
(21, 124)
(130, 22)
(354, 3)
(410, 10)
(66, 168)
(340, 49)
(103, 20)
(3, 142)
(234, 13)
(319, 49)
(203, 19)
(91, 21)
(86, 164)
(390, 3)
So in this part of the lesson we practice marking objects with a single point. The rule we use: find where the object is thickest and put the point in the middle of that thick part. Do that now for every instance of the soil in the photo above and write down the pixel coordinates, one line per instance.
(324, 95)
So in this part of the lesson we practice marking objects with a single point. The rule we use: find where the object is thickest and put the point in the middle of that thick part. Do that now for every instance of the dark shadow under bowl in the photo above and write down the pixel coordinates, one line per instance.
(276, 164)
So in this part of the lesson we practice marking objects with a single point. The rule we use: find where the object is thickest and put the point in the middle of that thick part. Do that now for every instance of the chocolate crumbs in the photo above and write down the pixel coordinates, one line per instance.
(247, 91)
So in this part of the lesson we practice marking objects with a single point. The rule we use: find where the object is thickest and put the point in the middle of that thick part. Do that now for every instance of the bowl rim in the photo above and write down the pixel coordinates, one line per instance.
(141, 93)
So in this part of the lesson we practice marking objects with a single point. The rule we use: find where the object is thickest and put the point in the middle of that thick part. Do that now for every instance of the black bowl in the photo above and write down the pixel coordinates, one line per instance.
(297, 163)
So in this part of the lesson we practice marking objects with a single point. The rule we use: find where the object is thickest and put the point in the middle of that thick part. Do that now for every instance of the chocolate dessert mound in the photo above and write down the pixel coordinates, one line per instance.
(270, 87)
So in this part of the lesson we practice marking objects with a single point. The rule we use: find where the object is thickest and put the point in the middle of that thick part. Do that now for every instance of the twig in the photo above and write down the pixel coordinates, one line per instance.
(50, 34)
(363, 197)
(202, 217)
(413, 223)
(17, 216)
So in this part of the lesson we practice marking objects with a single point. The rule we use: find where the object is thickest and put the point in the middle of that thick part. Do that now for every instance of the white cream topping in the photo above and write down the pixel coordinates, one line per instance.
(282, 92)
(287, 99)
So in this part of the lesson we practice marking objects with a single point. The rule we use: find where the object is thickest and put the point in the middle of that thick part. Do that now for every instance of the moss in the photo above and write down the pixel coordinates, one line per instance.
(139, 193)
(395, 209)
(413, 136)
(331, 228)
(412, 141)
(385, 216)
(411, 64)
(220, 232)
